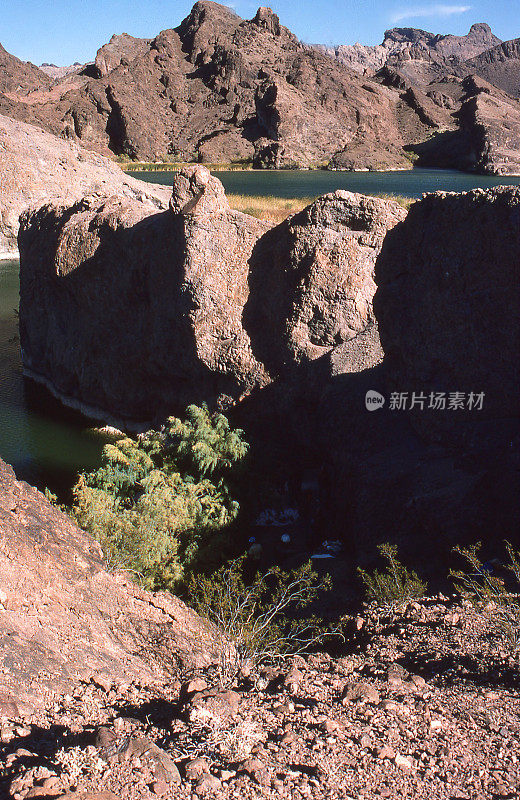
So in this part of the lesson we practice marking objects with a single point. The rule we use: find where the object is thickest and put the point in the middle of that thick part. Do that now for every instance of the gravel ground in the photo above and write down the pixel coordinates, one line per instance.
(426, 704)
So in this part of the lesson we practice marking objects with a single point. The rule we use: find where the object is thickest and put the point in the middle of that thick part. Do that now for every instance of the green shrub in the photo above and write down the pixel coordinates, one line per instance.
(396, 585)
(260, 619)
(161, 504)
(489, 592)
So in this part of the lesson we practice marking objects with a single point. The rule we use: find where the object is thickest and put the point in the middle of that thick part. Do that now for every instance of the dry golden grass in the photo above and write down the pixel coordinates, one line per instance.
(276, 209)
(270, 209)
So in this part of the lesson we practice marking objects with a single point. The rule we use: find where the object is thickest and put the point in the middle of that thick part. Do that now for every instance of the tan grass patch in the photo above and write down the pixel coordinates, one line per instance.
(270, 209)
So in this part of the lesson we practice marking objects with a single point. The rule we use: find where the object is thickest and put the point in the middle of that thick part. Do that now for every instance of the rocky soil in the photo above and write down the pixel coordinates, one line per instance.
(425, 704)
(36, 167)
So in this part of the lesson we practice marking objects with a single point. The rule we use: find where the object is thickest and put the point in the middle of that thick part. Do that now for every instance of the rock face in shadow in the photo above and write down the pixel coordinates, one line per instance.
(63, 617)
(140, 314)
(448, 310)
(36, 167)
(448, 307)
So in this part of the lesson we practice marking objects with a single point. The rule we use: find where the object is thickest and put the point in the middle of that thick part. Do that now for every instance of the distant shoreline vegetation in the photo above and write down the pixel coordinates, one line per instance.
(174, 166)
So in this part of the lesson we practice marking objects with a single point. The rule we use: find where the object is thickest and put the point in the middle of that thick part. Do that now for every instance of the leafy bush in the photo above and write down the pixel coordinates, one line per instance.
(490, 593)
(397, 584)
(260, 620)
(161, 503)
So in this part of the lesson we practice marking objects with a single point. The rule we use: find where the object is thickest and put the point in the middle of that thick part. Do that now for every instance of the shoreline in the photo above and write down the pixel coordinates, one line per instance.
(145, 166)
(94, 413)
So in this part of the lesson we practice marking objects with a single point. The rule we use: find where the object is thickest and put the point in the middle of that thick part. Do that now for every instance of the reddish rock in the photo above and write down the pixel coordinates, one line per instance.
(65, 620)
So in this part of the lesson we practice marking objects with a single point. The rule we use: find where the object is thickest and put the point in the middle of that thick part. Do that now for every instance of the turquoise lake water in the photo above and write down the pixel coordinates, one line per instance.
(47, 443)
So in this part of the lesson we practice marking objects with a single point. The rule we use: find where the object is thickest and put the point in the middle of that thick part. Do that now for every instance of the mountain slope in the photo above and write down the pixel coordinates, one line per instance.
(219, 88)
(499, 66)
(20, 76)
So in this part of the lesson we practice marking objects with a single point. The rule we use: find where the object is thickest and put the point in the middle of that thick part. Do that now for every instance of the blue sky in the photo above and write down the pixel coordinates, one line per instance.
(64, 31)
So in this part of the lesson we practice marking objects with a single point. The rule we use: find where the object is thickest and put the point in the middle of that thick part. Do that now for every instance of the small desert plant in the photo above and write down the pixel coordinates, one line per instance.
(396, 585)
(489, 592)
(260, 621)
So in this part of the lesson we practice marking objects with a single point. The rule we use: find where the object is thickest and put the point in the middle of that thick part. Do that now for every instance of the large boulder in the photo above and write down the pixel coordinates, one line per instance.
(448, 304)
(445, 471)
(138, 314)
(64, 617)
(311, 280)
(36, 167)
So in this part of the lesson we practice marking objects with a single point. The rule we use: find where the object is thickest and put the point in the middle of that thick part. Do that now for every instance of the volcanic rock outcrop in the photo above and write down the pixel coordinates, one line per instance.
(63, 617)
(431, 469)
(437, 299)
(36, 167)
(311, 279)
(138, 314)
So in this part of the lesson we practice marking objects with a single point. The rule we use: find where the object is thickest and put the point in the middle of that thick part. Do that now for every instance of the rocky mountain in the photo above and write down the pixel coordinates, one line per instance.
(36, 167)
(488, 137)
(409, 44)
(218, 88)
(57, 73)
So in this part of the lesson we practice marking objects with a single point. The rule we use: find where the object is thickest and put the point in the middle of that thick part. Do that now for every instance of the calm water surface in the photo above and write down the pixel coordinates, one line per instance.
(311, 183)
(47, 443)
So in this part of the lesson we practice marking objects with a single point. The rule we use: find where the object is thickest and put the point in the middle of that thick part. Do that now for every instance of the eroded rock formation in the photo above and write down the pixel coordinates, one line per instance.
(139, 314)
(36, 167)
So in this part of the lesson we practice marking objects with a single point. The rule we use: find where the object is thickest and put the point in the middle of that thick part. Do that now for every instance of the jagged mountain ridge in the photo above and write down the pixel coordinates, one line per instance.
(218, 89)
(221, 88)
(403, 44)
